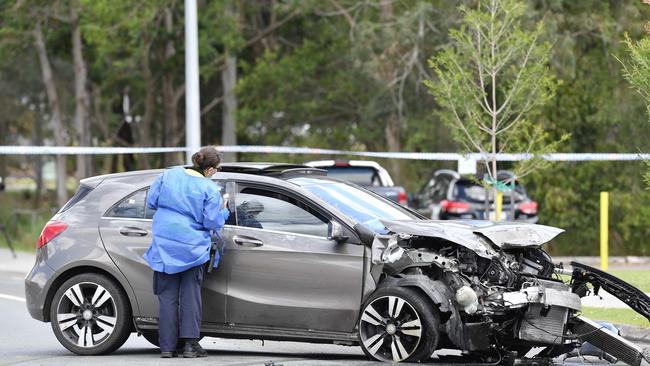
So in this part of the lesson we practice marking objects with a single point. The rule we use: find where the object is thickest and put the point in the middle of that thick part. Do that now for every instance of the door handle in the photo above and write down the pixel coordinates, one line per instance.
(133, 231)
(246, 241)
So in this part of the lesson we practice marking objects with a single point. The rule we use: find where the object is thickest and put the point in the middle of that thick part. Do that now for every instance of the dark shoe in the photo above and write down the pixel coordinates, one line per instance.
(168, 354)
(200, 352)
(193, 349)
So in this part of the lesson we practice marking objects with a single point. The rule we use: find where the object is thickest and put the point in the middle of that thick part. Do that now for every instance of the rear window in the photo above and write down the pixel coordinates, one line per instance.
(470, 191)
(363, 176)
(82, 192)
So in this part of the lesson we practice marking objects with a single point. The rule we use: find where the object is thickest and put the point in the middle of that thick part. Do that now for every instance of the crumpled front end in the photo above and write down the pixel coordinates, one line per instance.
(495, 293)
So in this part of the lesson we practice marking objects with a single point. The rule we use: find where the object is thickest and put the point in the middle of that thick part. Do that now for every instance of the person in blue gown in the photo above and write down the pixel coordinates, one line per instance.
(188, 208)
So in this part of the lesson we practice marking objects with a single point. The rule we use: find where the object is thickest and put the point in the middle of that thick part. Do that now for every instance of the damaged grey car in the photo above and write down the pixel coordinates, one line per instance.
(310, 258)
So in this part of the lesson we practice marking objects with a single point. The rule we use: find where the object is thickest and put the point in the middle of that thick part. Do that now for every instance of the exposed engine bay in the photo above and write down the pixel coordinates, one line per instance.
(498, 293)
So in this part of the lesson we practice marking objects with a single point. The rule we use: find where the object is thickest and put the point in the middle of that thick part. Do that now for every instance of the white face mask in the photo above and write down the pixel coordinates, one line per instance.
(210, 172)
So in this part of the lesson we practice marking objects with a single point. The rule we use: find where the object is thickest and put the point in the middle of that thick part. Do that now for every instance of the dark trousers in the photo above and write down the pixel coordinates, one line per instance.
(179, 295)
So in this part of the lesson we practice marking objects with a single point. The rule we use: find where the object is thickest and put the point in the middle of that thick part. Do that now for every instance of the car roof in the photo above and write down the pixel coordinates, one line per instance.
(275, 170)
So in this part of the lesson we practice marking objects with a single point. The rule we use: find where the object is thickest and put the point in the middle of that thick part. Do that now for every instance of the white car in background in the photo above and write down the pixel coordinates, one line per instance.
(365, 173)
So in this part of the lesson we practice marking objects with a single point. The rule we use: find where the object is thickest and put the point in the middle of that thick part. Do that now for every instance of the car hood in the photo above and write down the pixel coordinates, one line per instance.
(473, 234)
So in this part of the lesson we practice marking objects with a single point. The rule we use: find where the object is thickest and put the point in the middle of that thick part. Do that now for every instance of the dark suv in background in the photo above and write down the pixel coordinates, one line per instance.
(450, 196)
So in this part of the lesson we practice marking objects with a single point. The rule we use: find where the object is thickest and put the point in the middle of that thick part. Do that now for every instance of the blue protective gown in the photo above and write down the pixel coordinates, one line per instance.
(188, 207)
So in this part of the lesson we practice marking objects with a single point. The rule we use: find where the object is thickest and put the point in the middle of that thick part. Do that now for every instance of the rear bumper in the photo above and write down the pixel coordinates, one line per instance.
(36, 284)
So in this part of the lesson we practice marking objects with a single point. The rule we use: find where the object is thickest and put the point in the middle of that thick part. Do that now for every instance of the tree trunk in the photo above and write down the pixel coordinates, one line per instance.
(37, 137)
(171, 132)
(55, 112)
(229, 81)
(82, 100)
(149, 103)
(101, 126)
(170, 118)
(393, 127)
(393, 131)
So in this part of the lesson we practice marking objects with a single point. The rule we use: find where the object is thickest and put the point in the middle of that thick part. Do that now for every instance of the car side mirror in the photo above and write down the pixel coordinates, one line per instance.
(335, 232)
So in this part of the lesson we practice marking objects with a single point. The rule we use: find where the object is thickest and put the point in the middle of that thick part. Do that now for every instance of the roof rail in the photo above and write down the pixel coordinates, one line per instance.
(453, 173)
(280, 170)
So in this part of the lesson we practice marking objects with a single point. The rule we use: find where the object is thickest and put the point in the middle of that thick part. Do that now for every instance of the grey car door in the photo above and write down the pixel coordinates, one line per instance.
(125, 230)
(283, 271)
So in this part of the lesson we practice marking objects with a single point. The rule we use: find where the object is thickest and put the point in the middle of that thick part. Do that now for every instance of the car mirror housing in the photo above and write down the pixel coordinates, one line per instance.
(335, 232)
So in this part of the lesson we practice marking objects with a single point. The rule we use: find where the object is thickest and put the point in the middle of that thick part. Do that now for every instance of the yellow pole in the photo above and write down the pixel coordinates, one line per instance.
(499, 204)
(604, 232)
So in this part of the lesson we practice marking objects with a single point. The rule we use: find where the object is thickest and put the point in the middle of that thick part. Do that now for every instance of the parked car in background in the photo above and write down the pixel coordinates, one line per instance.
(367, 174)
(310, 258)
(450, 196)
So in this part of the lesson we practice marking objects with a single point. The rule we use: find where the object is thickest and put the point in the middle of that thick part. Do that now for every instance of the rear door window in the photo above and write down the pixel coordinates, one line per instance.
(133, 206)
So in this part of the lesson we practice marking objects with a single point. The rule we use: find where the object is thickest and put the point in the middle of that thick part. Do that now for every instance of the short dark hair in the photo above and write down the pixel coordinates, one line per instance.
(207, 157)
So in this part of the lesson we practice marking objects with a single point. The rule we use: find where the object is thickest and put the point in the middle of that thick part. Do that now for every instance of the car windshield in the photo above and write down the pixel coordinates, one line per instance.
(470, 191)
(361, 175)
(358, 204)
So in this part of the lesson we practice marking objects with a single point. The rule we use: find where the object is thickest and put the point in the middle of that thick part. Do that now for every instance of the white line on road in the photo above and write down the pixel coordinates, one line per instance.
(10, 297)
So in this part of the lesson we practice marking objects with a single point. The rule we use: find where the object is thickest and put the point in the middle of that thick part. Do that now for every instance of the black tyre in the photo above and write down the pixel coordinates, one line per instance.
(398, 324)
(90, 315)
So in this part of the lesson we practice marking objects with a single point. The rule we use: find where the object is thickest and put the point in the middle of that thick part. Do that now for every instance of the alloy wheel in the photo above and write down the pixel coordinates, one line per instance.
(390, 329)
(87, 314)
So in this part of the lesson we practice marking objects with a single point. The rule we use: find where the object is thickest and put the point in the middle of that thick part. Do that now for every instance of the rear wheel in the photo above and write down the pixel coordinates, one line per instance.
(90, 315)
(398, 324)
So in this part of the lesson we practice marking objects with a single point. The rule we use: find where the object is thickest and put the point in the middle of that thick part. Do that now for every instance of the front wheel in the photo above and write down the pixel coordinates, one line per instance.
(90, 315)
(398, 324)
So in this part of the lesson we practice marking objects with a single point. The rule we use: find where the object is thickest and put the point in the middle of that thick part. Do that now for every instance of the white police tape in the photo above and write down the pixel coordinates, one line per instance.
(94, 150)
(78, 150)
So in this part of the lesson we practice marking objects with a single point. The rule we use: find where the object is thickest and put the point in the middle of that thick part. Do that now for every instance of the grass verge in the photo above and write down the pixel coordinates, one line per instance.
(637, 277)
(17, 221)
(617, 316)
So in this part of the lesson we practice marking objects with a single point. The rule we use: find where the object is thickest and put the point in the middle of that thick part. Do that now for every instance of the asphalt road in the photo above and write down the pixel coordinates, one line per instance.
(25, 341)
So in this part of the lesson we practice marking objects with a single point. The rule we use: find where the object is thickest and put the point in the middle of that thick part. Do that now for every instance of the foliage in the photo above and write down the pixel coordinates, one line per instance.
(492, 81)
(616, 316)
(637, 71)
(334, 74)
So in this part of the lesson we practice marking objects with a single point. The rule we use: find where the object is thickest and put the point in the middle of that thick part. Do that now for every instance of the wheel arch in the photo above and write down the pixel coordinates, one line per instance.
(81, 269)
(436, 292)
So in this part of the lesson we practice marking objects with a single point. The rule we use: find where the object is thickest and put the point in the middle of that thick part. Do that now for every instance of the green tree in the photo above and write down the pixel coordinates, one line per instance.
(636, 70)
(492, 82)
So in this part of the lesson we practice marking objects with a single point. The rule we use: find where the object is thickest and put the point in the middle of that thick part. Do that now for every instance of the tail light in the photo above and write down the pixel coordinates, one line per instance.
(51, 230)
(455, 206)
(528, 208)
(341, 163)
(402, 199)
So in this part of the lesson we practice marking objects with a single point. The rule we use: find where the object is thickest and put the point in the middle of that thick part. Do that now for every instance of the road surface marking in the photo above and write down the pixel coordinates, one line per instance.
(10, 297)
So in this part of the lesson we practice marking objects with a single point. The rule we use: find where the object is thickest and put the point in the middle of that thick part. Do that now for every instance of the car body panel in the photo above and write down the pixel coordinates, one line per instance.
(456, 232)
(310, 282)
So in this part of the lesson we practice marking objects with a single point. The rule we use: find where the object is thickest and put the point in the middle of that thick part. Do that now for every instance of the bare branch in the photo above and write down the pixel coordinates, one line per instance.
(270, 29)
(344, 12)
(521, 70)
(213, 103)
